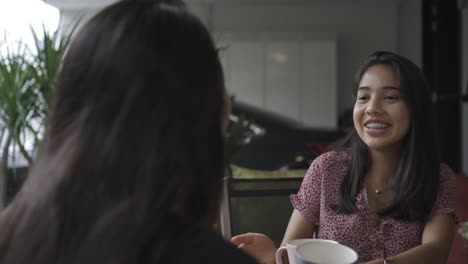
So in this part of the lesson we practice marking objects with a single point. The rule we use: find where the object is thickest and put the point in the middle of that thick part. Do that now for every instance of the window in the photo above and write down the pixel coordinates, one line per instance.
(17, 17)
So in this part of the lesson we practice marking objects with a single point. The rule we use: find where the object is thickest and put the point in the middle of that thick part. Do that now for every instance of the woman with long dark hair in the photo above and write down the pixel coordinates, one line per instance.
(383, 191)
(131, 166)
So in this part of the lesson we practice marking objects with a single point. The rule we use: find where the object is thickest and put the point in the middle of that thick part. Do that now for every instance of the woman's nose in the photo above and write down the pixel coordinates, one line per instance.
(374, 107)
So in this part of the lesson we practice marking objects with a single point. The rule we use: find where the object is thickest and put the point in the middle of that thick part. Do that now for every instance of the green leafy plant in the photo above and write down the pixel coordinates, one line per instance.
(26, 81)
(49, 53)
(18, 93)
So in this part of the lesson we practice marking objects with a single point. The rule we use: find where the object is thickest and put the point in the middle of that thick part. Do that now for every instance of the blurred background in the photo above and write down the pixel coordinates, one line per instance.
(298, 57)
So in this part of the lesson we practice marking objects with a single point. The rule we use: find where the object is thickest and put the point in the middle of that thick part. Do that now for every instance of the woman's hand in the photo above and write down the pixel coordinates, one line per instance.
(257, 245)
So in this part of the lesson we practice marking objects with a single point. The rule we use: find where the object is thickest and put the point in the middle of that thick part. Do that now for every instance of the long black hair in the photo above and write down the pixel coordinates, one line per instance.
(415, 178)
(133, 150)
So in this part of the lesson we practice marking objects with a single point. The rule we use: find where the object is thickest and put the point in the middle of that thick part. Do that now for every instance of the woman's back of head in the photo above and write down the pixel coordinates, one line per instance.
(133, 147)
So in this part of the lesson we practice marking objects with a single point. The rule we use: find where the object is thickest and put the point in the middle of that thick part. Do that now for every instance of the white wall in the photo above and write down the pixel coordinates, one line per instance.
(290, 72)
(410, 30)
(362, 26)
(70, 16)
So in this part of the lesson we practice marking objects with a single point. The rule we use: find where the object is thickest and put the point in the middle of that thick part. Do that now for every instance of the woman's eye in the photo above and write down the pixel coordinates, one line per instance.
(392, 97)
(363, 98)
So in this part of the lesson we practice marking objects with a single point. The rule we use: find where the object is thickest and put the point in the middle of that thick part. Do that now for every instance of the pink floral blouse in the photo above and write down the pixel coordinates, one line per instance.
(371, 238)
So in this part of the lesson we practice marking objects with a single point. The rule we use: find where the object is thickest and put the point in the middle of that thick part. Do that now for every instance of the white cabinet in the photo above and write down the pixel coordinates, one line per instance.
(291, 73)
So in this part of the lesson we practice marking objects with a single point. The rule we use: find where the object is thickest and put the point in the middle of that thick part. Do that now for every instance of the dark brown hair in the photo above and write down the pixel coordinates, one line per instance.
(133, 152)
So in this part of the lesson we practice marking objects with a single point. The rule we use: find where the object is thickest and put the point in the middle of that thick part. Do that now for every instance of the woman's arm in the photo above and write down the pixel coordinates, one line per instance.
(436, 243)
(298, 227)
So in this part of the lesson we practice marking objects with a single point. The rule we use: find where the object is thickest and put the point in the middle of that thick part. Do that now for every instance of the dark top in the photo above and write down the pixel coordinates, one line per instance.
(205, 247)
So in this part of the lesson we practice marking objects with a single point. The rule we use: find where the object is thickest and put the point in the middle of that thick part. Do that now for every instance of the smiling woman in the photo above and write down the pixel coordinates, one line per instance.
(385, 193)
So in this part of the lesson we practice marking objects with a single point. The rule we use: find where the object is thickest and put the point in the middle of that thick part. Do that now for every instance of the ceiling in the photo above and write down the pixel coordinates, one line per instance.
(79, 4)
(92, 4)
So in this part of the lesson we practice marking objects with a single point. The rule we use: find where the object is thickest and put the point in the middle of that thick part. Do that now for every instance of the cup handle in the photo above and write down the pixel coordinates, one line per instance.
(279, 254)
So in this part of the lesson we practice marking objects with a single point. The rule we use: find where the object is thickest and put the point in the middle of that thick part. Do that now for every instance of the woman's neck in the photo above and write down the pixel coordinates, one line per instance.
(382, 168)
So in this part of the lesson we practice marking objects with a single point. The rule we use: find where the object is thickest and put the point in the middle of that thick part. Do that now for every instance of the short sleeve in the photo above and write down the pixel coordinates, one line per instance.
(445, 201)
(307, 200)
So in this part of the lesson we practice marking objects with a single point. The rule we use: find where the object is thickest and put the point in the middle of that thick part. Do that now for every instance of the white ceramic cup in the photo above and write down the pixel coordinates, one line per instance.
(325, 253)
(291, 246)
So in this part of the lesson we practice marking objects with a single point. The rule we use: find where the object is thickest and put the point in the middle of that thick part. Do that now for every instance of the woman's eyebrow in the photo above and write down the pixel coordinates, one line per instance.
(385, 88)
(391, 88)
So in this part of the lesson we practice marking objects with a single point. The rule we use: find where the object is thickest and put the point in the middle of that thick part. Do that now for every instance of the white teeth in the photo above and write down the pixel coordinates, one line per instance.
(377, 125)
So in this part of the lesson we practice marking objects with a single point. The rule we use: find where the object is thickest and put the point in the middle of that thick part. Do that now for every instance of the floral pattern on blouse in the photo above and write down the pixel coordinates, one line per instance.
(369, 237)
